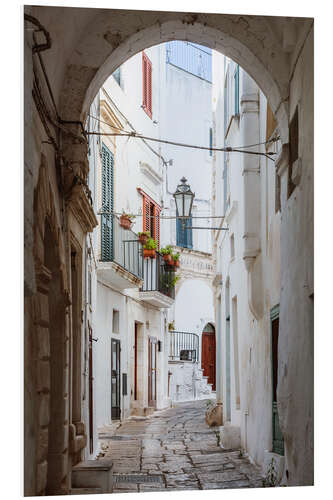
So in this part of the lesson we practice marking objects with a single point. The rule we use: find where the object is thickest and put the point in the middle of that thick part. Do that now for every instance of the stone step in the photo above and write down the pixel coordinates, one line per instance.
(142, 412)
(85, 491)
(93, 474)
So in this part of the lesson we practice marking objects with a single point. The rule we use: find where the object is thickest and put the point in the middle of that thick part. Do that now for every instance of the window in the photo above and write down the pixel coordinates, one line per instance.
(147, 102)
(115, 321)
(117, 75)
(184, 235)
(236, 79)
(226, 103)
(107, 204)
(151, 217)
(232, 246)
(293, 149)
(225, 182)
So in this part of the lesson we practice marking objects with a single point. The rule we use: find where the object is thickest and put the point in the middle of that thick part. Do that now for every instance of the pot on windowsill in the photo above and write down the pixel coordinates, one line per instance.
(176, 263)
(143, 238)
(168, 259)
(149, 253)
(125, 222)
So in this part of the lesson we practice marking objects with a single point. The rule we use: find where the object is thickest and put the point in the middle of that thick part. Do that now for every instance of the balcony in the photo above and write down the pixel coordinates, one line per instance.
(184, 346)
(158, 288)
(120, 260)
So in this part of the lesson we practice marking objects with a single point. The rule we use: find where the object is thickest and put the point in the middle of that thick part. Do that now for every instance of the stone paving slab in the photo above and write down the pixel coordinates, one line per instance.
(177, 445)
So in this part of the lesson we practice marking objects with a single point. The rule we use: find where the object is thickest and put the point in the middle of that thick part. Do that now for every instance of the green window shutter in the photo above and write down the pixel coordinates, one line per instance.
(107, 204)
(225, 183)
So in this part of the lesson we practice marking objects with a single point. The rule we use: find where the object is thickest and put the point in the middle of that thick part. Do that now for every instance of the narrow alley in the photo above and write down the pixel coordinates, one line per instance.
(174, 449)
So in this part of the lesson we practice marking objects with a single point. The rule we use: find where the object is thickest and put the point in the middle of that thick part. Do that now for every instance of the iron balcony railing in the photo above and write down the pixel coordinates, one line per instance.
(184, 346)
(120, 245)
(158, 276)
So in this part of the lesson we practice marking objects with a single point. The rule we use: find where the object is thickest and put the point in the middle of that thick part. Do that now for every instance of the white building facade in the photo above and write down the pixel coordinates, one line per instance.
(247, 285)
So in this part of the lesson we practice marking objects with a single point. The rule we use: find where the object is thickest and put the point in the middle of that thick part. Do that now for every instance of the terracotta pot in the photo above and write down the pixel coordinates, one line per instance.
(143, 239)
(176, 263)
(168, 259)
(149, 253)
(125, 222)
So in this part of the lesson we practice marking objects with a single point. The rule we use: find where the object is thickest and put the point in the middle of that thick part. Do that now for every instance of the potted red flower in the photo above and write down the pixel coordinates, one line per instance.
(126, 220)
(175, 258)
(143, 237)
(167, 255)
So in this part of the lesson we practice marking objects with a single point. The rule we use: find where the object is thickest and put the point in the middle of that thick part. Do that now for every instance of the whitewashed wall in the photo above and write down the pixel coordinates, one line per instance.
(250, 344)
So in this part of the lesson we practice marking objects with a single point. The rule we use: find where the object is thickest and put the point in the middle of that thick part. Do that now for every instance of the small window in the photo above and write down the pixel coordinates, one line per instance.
(184, 233)
(117, 75)
(293, 149)
(115, 321)
(210, 141)
(232, 246)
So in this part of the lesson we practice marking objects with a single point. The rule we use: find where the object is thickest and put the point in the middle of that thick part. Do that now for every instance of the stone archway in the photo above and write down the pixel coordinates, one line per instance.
(88, 45)
(51, 344)
(116, 35)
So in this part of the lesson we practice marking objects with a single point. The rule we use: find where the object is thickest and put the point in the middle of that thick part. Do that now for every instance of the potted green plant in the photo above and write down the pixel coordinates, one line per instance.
(126, 220)
(171, 326)
(167, 252)
(143, 237)
(149, 248)
(175, 258)
(174, 280)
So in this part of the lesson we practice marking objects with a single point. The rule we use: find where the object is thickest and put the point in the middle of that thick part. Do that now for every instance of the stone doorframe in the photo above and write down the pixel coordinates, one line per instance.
(47, 226)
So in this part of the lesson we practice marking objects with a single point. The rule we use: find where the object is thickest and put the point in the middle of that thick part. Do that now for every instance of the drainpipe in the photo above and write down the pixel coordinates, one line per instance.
(219, 385)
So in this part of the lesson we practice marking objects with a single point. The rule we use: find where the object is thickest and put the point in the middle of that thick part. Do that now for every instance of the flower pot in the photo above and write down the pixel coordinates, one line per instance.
(168, 259)
(125, 222)
(143, 239)
(149, 253)
(176, 263)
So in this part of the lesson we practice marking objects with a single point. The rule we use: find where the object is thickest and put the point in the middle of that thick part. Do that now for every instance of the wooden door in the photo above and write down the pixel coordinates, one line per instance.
(115, 379)
(208, 357)
(152, 366)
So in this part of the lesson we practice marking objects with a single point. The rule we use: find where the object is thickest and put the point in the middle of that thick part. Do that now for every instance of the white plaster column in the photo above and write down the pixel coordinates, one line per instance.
(218, 322)
(249, 133)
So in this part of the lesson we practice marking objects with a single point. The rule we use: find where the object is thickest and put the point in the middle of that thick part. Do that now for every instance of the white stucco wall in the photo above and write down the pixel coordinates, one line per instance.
(250, 344)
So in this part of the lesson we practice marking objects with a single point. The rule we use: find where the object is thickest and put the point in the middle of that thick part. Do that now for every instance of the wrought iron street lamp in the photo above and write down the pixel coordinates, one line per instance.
(184, 200)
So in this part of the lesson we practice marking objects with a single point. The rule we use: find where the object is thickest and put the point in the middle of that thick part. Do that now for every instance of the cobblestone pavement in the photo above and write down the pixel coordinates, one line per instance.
(177, 447)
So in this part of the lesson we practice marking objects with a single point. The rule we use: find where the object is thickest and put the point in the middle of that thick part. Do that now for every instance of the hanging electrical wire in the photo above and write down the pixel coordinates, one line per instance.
(180, 144)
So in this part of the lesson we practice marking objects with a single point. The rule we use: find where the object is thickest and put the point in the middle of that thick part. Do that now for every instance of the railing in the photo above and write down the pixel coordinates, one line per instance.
(184, 346)
(120, 245)
(158, 276)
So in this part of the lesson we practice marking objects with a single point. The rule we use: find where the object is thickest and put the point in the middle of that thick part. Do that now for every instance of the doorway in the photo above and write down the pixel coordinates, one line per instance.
(277, 436)
(115, 379)
(208, 354)
(152, 366)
